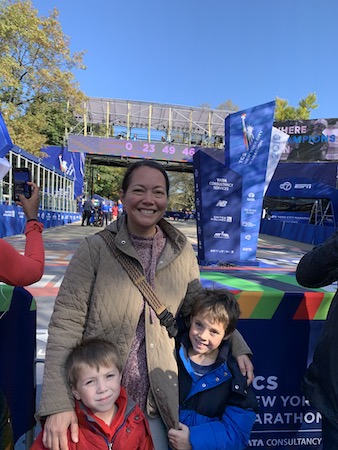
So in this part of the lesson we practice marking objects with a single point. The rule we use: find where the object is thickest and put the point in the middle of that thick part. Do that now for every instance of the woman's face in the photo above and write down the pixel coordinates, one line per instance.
(145, 200)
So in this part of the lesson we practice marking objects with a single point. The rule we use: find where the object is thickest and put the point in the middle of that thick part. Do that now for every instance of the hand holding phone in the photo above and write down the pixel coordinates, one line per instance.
(21, 178)
(30, 205)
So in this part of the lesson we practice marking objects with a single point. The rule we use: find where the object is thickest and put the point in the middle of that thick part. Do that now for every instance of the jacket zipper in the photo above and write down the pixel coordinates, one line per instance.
(110, 446)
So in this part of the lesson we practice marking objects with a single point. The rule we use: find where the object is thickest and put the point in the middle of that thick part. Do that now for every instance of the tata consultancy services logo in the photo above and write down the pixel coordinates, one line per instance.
(251, 197)
(285, 186)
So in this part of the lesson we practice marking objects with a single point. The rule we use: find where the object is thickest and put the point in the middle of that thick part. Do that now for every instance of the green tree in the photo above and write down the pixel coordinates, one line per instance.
(284, 111)
(104, 181)
(228, 106)
(37, 84)
(182, 191)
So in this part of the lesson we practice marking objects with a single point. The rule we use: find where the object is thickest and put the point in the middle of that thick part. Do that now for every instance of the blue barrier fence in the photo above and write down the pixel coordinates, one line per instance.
(13, 219)
(301, 232)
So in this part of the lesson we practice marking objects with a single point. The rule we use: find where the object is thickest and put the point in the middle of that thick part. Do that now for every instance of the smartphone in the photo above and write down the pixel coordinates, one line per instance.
(20, 177)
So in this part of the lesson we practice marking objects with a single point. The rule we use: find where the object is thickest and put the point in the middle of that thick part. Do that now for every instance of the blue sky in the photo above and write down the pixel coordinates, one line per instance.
(189, 52)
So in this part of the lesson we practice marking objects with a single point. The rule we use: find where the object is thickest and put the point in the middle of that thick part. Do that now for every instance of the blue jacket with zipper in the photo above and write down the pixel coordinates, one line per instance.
(218, 407)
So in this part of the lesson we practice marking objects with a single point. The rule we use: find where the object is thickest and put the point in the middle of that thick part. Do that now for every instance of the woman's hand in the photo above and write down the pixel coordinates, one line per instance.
(55, 430)
(246, 367)
(30, 205)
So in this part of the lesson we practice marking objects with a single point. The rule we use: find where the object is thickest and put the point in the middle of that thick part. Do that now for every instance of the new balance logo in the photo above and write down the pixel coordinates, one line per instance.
(221, 203)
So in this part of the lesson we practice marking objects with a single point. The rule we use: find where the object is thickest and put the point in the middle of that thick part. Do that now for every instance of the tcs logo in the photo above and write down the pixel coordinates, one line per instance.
(270, 383)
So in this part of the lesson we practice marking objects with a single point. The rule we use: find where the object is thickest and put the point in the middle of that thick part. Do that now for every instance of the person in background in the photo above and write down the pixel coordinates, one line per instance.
(97, 298)
(21, 270)
(110, 210)
(86, 213)
(105, 213)
(316, 269)
(115, 211)
(107, 417)
(212, 413)
(119, 207)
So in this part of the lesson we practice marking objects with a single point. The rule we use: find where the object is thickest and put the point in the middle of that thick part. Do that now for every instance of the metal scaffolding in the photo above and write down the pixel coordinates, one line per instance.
(188, 125)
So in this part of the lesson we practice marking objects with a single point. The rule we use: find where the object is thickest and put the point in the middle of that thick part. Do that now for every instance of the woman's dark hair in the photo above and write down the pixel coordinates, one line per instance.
(144, 163)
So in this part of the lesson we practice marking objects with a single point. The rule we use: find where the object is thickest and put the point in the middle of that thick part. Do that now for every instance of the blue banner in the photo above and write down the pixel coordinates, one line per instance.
(290, 216)
(71, 164)
(306, 180)
(285, 419)
(230, 185)
(5, 140)
(218, 208)
(13, 221)
(247, 145)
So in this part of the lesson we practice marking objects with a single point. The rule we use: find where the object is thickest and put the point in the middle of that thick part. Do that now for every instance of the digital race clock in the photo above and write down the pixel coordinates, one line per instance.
(127, 148)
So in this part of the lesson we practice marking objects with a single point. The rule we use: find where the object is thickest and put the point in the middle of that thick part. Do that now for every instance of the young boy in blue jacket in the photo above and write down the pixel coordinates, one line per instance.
(217, 408)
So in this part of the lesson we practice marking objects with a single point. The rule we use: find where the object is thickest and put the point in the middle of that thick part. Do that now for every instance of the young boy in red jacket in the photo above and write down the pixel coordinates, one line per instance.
(107, 418)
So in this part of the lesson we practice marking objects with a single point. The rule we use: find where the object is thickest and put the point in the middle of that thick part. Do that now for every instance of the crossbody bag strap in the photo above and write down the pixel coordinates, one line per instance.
(138, 278)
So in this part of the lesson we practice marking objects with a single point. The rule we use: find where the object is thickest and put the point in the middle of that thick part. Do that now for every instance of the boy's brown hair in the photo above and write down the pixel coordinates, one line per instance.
(220, 304)
(94, 352)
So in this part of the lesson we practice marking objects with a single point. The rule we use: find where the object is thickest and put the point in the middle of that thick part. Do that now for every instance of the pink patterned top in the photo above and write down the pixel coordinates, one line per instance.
(135, 376)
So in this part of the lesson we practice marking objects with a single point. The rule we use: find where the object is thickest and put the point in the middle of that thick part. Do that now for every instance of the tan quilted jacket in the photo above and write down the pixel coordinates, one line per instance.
(97, 298)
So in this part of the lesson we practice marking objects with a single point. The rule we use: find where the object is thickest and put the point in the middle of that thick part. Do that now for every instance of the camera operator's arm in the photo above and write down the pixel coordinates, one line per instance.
(22, 270)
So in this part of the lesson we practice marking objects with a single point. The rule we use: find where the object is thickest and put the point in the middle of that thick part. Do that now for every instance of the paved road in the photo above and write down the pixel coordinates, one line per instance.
(61, 242)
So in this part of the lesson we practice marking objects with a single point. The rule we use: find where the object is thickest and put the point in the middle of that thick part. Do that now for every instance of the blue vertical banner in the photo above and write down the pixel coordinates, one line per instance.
(71, 164)
(230, 184)
(218, 193)
(5, 140)
(247, 145)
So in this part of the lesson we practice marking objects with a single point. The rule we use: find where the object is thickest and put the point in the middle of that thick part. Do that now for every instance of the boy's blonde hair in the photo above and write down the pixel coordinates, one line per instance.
(220, 304)
(94, 352)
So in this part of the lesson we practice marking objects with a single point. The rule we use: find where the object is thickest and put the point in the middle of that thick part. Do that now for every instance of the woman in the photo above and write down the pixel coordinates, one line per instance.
(21, 270)
(97, 298)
